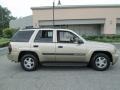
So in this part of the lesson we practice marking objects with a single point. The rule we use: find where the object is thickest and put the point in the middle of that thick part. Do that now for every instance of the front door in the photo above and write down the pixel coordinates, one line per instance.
(68, 49)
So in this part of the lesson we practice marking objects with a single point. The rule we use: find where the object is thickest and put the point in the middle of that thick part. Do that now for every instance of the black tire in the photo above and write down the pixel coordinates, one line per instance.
(26, 66)
(97, 65)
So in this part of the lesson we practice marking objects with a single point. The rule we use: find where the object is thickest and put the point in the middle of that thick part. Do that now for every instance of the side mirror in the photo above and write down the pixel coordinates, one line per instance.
(80, 42)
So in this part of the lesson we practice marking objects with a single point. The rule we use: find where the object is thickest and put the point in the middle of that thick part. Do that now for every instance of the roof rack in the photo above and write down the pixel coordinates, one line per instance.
(46, 28)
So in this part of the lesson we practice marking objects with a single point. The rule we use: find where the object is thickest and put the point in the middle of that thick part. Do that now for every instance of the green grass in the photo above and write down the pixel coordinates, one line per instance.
(4, 42)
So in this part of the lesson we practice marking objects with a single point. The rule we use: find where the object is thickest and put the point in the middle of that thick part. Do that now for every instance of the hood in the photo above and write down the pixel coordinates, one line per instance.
(99, 44)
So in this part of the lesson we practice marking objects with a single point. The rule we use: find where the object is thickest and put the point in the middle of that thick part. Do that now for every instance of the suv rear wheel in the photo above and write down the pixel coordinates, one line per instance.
(29, 62)
(100, 62)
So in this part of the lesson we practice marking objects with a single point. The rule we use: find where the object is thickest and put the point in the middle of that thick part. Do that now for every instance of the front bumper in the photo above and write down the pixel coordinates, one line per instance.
(115, 58)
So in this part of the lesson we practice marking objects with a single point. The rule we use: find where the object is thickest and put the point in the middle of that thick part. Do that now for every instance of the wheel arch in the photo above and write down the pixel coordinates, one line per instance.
(27, 52)
(105, 52)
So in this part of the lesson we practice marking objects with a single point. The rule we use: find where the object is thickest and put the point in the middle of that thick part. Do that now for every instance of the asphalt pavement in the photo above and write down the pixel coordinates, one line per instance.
(13, 77)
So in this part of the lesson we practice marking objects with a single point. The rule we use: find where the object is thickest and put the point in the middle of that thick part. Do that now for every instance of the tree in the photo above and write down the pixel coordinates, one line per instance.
(8, 32)
(5, 17)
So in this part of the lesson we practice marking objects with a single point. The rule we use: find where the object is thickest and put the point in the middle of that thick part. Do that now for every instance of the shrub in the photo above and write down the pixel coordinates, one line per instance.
(103, 38)
(0, 32)
(8, 32)
(4, 42)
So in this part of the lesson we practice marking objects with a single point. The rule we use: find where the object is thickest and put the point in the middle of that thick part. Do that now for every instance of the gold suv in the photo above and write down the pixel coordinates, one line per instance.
(34, 47)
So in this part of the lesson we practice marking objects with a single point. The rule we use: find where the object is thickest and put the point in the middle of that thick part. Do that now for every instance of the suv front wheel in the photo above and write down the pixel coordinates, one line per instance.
(100, 61)
(29, 62)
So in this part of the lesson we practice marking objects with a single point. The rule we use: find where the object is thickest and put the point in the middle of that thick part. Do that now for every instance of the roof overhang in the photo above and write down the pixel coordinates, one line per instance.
(72, 22)
(77, 6)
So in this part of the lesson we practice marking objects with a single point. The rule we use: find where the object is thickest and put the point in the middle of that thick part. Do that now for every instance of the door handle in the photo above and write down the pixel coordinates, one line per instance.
(35, 45)
(60, 46)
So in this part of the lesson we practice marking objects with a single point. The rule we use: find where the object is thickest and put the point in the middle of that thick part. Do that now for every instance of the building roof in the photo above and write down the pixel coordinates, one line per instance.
(77, 6)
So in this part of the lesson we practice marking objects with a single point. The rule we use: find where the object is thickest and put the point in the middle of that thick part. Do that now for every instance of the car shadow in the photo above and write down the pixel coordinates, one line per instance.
(18, 68)
(64, 68)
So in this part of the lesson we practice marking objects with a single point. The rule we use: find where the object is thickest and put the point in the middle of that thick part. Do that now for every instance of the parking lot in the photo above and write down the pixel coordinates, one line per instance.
(12, 77)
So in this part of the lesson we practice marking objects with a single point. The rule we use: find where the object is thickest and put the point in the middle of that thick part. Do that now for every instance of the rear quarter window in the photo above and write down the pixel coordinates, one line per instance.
(22, 36)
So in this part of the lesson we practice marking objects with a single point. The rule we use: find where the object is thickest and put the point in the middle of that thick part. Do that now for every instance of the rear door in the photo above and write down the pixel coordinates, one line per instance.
(44, 42)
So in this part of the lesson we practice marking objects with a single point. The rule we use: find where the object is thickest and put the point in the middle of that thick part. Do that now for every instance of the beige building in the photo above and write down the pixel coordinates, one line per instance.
(85, 20)
(88, 20)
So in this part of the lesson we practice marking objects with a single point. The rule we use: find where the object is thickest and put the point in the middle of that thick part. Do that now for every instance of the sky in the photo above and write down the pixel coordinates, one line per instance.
(21, 8)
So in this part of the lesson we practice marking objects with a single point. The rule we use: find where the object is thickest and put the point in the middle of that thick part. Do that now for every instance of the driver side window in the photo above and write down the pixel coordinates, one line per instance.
(66, 37)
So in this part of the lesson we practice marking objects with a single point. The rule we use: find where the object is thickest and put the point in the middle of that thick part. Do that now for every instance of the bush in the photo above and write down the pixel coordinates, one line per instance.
(91, 37)
(8, 32)
(4, 42)
(0, 32)
(103, 38)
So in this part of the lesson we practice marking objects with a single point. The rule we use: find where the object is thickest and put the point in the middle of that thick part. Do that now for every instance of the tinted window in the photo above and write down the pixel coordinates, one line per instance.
(66, 37)
(22, 36)
(44, 36)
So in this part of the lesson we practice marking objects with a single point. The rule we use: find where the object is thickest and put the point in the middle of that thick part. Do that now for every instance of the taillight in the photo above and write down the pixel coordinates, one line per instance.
(9, 48)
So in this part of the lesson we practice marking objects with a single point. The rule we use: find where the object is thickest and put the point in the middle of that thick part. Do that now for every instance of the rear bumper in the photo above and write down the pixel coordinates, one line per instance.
(13, 57)
(115, 58)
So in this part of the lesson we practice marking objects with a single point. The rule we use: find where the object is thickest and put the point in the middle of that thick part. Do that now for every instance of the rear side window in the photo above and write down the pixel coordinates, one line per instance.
(44, 36)
(22, 36)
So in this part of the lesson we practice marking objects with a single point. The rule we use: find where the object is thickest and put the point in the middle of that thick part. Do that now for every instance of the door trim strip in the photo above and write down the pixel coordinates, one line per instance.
(76, 54)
